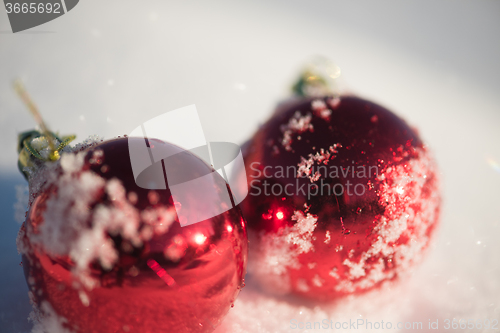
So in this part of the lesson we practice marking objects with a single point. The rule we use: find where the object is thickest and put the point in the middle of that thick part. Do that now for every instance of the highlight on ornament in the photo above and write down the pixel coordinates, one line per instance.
(102, 254)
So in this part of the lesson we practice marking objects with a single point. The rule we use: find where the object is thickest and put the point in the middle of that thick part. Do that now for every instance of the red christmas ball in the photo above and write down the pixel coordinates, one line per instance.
(102, 254)
(343, 197)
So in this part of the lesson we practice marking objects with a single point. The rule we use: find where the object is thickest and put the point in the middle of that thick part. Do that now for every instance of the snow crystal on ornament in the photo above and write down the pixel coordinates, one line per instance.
(71, 163)
(45, 319)
(400, 221)
(302, 231)
(334, 102)
(91, 141)
(22, 199)
(296, 125)
(321, 157)
(159, 218)
(319, 107)
(279, 252)
(75, 191)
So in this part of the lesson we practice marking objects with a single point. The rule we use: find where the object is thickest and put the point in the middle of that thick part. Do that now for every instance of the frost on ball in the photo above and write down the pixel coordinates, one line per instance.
(343, 197)
(101, 254)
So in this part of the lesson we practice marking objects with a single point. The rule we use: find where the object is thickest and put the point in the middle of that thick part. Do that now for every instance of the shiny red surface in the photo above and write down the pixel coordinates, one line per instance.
(145, 291)
(368, 135)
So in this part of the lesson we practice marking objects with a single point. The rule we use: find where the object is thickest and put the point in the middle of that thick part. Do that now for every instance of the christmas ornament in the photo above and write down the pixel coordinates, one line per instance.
(101, 254)
(343, 195)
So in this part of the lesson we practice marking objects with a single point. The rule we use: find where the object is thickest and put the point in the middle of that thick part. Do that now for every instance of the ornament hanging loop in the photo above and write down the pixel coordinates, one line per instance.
(37, 146)
(318, 78)
(21, 92)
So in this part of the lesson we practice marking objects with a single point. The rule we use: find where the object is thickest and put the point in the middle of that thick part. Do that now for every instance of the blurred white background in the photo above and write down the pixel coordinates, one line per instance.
(107, 66)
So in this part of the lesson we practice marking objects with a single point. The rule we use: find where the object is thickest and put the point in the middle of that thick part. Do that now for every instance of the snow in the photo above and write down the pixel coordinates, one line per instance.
(327, 237)
(305, 166)
(22, 198)
(71, 163)
(91, 141)
(159, 218)
(410, 214)
(296, 124)
(41, 144)
(334, 102)
(319, 107)
(279, 252)
(258, 312)
(66, 231)
(45, 319)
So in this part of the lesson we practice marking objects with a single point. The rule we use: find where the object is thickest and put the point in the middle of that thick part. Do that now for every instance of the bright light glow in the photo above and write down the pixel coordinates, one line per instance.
(280, 215)
(200, 239)
(229, 228)
(400, 190)
(494, 164)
